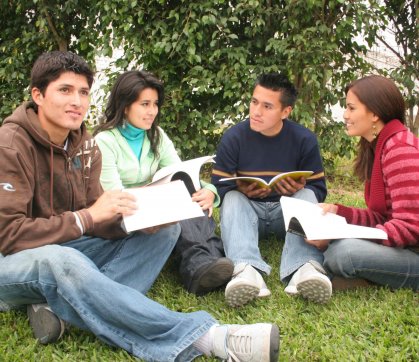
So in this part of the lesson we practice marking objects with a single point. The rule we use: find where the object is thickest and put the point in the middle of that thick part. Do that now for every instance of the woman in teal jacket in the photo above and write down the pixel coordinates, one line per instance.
(133, 148)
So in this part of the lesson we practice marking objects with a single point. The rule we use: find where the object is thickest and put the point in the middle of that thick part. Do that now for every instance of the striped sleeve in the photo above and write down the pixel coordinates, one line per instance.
(400, 166)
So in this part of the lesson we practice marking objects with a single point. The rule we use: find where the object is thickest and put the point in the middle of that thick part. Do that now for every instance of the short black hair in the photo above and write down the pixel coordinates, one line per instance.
(49, 67)
(279, 82)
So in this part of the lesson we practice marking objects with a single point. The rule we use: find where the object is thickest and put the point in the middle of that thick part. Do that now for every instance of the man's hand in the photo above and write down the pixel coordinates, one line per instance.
(288, 186)
(253, 190)
(205, 199)
(111, 203)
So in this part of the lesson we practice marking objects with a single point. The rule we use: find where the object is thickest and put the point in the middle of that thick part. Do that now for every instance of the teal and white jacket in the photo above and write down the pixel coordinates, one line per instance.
(122, 169)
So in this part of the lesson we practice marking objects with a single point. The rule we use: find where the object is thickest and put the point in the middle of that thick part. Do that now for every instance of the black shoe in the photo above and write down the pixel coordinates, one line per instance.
(46, 326)
(211, 276)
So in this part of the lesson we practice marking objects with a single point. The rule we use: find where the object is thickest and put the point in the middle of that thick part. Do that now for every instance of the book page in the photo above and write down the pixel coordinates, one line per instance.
(295, 175)
(191, 167)
(262, 183)
(249, 179)
(317, 226)
(161, 204)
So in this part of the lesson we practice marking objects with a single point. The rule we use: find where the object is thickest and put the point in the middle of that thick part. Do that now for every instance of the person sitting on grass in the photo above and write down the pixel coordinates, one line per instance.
(266, 144)
(133, 148)
(388, 164)
(62, 243)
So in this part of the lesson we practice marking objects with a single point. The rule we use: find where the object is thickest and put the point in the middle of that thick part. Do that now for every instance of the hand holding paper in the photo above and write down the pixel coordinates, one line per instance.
(309, 220)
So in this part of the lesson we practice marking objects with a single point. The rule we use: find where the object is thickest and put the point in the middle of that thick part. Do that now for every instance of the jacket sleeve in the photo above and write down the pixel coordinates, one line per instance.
(311, 160)
(19, 231)
(110, 177)
(110, 229)
(167, 151)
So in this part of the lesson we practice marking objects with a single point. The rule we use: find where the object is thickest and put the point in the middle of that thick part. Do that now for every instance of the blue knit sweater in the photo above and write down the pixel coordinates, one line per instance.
(243, 152)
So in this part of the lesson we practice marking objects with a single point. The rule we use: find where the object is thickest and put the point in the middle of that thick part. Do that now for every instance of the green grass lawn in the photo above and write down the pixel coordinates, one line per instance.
(372, 324)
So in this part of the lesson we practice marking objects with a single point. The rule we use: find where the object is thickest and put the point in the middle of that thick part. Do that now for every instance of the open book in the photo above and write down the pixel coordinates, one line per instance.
(161, 204)
(187, 171)
(295, 175)
(307, 219)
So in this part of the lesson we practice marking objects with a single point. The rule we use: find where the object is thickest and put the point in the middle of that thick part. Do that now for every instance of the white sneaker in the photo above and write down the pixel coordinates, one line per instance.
(264, 291)
(245, 285)
(251, 343)
(311, 283)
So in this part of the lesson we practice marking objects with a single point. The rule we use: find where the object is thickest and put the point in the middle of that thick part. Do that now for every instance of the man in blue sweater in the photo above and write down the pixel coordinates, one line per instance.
(265, 144)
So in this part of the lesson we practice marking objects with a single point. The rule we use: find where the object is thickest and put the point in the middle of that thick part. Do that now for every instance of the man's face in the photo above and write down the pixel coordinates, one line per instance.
(63, 105)
(266, 111)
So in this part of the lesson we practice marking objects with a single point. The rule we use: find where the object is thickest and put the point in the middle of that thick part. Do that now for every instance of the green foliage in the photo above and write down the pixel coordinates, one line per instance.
(29, 28)
(334, 144)
(401, 18)
(208, 53)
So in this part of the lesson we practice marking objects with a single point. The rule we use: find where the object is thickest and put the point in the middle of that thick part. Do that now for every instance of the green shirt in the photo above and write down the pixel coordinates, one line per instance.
(121, 168)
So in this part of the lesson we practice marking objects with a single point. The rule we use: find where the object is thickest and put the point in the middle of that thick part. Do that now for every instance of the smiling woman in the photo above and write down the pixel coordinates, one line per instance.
(388, 163)
(134, 148)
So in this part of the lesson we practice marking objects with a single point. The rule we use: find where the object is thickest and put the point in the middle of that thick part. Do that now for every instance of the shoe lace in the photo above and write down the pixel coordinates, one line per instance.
(238, 345)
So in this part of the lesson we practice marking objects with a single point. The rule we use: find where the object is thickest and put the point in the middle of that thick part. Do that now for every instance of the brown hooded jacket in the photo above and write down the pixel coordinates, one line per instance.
(42, 184)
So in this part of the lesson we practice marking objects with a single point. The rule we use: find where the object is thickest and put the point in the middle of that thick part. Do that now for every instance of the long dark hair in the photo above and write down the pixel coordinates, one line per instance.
(383, 98)
(125, 92)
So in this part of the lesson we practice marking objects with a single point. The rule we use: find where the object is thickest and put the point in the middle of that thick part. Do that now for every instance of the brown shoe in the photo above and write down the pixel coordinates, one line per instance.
(340, 283)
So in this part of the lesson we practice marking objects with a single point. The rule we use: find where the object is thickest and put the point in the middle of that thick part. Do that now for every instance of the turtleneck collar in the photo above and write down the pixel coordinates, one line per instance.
(131, 132)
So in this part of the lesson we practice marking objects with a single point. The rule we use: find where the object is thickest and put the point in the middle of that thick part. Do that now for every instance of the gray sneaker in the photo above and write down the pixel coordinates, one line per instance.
(251, 343)
(311, 283)
(46, 326)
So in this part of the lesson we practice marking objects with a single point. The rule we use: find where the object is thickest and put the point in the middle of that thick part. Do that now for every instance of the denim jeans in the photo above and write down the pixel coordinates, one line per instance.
(244, 221)
(99, 285)
(357, 258)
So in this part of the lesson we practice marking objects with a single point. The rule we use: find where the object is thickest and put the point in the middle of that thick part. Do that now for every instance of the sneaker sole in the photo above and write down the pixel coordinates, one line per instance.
(315, 289)
(214, 276)
(274, 344)
(240, 293)
(46, 326)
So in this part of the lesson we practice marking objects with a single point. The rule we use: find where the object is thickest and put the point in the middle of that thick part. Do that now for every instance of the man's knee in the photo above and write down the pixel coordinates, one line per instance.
(233, 201)
(306, 195)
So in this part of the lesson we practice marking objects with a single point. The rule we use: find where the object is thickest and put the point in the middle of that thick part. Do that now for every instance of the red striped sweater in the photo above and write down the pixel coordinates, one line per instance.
(392, 194)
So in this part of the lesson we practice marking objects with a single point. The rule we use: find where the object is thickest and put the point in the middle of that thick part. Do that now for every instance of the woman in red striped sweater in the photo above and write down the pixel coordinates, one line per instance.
(388, 163)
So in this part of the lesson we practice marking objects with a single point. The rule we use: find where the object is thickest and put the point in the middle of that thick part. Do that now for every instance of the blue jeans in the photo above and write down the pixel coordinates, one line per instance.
(99, 285)
(357, 258)
(244, 221)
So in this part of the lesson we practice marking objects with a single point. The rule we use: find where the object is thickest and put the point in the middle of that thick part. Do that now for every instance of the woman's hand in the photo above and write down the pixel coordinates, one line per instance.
(332, 208)
(319, 244)
(205, 199)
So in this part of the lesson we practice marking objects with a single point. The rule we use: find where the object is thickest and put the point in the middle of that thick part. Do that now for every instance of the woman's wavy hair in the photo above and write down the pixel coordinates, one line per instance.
(382, 97)
(126, 90)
